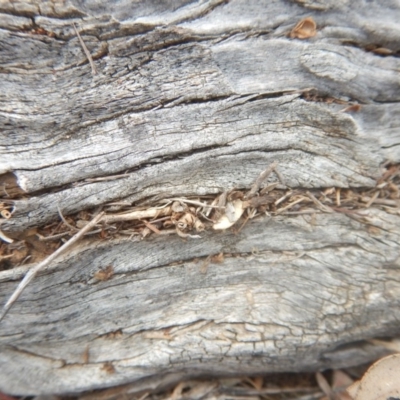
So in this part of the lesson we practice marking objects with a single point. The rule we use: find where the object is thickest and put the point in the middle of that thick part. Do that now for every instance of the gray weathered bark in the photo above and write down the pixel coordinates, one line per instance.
(194, 98)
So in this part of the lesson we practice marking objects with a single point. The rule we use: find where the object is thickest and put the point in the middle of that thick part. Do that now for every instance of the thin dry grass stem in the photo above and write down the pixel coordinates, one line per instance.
(290, 205)
(280, 177)
(256, 382)
(385, 202)
(349, 212)
(52, 237)
(324, 386)
(301, 212)
(186, 235)
(167, 203)
(321, 206)
(372, 199)
(268, 188)
(85, 49)
(166, 232)
(390, 173)
(195, 203)
(176, 393)
(151, 227)
(394, 188)
(261, 178)
(132, 215)
(96, 231)
(33, 271)
(283, 198)
(153, 221)
(5, 238)
(338, 190)
(250, 214)
(205, 217)
(65, 221)
(390, 206)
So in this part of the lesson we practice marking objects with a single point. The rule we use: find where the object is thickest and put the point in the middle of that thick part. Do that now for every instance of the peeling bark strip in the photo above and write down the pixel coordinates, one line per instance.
(191, 99)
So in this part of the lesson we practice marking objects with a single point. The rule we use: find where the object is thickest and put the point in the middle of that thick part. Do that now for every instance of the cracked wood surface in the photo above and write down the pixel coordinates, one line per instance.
(196, 97)
(292, 295)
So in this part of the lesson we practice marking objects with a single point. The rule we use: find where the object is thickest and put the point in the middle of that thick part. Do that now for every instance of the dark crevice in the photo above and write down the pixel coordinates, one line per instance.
(377, 101)
(129, 111)
(151, 107)
(162, 159)
(318, 96)
(271, 95)
(267, 151)
(175, 102)
(391, 146)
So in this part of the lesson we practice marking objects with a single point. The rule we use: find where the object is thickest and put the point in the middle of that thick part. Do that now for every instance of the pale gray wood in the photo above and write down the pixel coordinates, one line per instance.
(326, 152)
(272, 301)
(194, 98)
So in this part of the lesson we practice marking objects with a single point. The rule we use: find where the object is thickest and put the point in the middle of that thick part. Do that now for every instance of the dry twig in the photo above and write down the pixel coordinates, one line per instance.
(128, 216)
(195, 203)
(372, 199)
(85, 49)
(65, 221)
(261, 178)
(290, 205)
(321, 206)
(33, 272)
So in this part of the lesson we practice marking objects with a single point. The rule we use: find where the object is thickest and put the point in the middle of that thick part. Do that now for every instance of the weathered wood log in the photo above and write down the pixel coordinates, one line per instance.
(194, 99)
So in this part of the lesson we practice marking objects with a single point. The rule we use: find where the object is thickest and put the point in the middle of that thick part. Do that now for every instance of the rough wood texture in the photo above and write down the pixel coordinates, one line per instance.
(196, 97)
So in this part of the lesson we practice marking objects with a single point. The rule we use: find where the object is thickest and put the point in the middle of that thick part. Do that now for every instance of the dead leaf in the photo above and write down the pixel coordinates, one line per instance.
(186, 221)
(305, 29)
(145, 232)
(104, 274)
(108, 368)
(178, 207)
(236, 194)
(383, 51)
(230, 217)
(218, 258)
(380, 382)
(352, 108)
(230, 211)
(199, 226)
